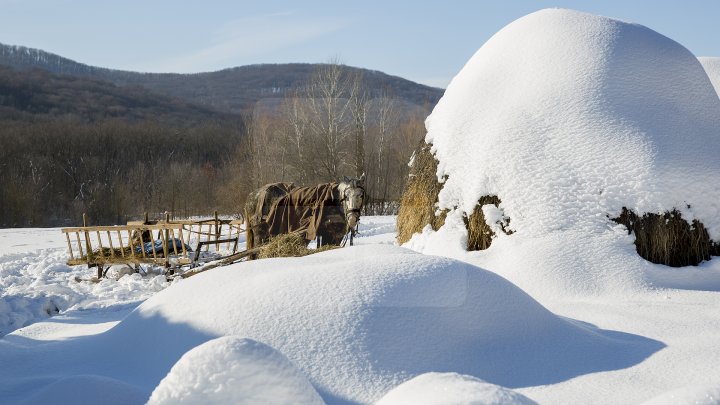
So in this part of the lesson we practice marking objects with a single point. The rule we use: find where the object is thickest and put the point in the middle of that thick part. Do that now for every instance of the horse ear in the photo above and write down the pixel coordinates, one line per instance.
(362, 178)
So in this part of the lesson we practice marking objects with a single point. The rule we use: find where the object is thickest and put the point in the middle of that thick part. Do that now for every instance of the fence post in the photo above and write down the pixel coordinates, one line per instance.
(217, 232)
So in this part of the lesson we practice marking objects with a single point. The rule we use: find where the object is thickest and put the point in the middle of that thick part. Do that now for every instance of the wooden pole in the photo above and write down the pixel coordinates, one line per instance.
(102, 254)
(67, 235)
(142, 242)
(112, 248)
(132, 244)
(152, 244)
(164, 240)
(122, 245)
(217, 231)
(77, 236)
(88, 247)
(167, 236)
(182, 239)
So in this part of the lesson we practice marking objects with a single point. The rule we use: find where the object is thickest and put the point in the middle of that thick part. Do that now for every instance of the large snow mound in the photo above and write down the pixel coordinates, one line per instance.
(233, 370)
(359, 321)
(451, 389)
(712, 68)
(568, 117)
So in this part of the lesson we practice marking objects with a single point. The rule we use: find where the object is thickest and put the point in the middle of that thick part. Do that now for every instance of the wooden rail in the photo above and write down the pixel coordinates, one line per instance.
(165, 243)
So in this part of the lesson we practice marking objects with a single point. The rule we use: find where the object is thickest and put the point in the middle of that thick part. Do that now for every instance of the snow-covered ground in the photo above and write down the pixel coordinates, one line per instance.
(354, 324)
(567, 117)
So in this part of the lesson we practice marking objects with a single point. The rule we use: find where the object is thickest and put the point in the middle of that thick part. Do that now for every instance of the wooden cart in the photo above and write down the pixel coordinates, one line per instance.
(170, 244)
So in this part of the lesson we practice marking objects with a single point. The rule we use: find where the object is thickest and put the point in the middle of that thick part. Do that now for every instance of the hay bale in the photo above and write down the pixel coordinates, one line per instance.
(480, 235)
(418, 204)
(669, 239)
(419, 200)
(289, 245)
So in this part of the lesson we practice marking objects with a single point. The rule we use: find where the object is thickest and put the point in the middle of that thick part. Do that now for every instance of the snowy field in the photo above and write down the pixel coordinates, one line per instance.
(567, 117)
(343, 326)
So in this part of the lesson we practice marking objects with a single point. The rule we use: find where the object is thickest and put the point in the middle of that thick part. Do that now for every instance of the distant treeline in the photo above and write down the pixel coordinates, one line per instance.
(51, 173)
(63, 154)
(38, 95)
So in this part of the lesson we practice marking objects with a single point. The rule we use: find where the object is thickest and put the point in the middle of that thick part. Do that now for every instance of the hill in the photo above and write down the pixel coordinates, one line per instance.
(37, 95)
(229, 90)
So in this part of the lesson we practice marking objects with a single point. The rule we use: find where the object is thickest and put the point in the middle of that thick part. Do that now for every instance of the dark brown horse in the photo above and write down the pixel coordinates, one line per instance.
(326, 212)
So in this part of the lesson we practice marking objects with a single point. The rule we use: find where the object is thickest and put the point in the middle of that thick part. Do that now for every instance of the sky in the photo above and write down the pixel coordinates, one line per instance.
(424, 41)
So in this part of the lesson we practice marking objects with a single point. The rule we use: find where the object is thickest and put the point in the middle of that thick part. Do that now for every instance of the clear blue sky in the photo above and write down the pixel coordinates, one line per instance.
(425, 41)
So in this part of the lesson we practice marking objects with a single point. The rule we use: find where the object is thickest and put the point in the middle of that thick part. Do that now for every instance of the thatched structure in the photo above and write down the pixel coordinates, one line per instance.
(669, 239)
(418, 205)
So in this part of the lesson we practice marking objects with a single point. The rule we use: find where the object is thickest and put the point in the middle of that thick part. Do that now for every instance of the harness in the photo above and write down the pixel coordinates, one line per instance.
(351, 232)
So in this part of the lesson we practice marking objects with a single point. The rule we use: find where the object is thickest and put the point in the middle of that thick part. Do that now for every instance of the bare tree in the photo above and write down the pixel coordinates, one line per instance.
(328, 98)
(296, 154)
(386, 127)
(359, 108)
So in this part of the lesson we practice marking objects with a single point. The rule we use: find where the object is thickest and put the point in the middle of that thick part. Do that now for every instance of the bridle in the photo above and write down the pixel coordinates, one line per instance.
(350, 208)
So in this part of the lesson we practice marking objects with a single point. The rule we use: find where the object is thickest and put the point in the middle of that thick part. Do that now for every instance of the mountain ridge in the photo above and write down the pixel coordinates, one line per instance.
(233, 89)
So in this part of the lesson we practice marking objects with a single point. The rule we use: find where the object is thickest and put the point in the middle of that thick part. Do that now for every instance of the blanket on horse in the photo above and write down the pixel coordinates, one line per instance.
(300, 208)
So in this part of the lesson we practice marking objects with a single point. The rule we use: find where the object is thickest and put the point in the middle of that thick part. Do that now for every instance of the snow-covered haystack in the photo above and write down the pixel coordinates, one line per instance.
(359, 321)
(418, 205)
(568, 118)
(712, 68)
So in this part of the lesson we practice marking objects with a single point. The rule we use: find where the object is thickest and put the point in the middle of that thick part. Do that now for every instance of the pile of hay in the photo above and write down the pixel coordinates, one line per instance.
(288, 245)
(480, 235)
(669, 239)
(418, 204)
(107, 254)
(659, 238)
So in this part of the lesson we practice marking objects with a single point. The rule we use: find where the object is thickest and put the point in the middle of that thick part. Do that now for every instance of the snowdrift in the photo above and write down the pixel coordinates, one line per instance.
(451, 389)
(692, 395)
(232, 370)
(712, 68)
(568, 117)
(359, 321)
(87, 389)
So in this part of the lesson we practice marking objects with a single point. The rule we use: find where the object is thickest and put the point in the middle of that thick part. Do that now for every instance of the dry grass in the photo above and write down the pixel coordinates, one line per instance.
(106, 254)
(418, 202)
(289, 245)
(479, 233)
(668, 238)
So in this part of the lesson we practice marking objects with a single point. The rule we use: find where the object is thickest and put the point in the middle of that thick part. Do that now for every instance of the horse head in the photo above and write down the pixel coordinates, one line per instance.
(352, 198)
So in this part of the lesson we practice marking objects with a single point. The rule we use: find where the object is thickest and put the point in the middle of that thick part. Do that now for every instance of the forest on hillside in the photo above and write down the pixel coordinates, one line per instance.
(233, 90)
(64, 153)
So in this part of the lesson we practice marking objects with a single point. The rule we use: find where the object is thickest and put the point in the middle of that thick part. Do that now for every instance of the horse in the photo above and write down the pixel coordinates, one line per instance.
(326, 212)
